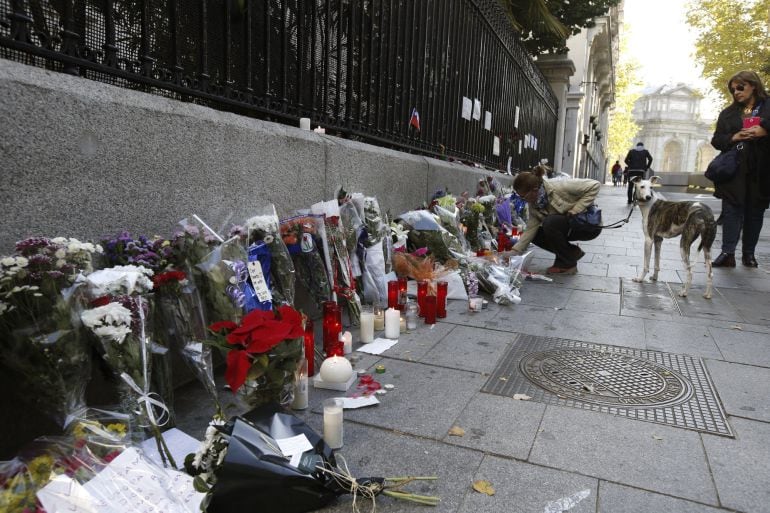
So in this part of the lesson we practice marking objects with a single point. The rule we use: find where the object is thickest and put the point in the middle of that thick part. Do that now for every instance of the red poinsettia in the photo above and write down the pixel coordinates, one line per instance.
(259, 332)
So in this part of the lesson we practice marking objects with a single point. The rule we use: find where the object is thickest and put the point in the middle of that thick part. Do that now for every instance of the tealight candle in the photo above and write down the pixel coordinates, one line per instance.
(392, 323)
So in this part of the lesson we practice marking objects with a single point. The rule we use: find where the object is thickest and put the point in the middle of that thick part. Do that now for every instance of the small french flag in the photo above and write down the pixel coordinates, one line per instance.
(414, 120)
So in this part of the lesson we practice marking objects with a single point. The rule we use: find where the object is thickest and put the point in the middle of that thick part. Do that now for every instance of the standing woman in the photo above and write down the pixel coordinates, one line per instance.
(746, 197)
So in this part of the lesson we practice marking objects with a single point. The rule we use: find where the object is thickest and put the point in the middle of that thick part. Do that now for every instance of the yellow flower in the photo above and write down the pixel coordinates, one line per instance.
(40, 467)
(118, 428)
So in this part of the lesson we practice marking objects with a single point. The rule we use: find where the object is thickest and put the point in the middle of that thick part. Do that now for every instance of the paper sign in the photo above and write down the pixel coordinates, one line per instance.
(351, 403)
(258, 281)
(179, 443)
(534, 144)
(476, 109)
(519, 146)
(487, 120)
(467, 108)
(496, 146)
(65, 494)
(294, 445)
(516, 118)
(379, 346)
(526, 140)
(509, 164)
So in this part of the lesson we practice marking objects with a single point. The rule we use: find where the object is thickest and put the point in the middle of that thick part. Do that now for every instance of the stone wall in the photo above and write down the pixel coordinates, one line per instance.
(84, 159)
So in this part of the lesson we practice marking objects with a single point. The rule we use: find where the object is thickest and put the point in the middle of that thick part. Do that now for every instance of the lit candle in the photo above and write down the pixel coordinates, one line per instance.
(333, 422)
(336, 369)
(392, 323)
(430, 309)
(393, 294)
(379, 318)
(442, 288)
(304, 123)
(367, 327)
(422, 291)
(347, 342)
(402, 296)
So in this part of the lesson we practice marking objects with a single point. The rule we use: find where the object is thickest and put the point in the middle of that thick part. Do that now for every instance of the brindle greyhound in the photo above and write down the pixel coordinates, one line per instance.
(665, 219)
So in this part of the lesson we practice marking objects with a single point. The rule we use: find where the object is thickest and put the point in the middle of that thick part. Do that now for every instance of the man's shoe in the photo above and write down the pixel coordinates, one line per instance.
(577, 253)
(724, 260)
(749, 261)
(560, 270)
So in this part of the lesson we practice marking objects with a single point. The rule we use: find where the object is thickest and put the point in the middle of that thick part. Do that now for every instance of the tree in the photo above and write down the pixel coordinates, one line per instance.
(622, 128)
(732, 36)
(546, 25)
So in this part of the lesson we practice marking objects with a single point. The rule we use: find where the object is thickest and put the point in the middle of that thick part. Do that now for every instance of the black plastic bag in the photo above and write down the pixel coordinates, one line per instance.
(254, 476)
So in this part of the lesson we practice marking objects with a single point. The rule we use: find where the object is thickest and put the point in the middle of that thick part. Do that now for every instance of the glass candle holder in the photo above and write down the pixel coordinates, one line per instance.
(332, 327)
(379, 317)
(411, 314)
(430, 309)
(422, 292)
(441, 291)
(393, 294)
(310, 347)
(367, 324)
(402, 295)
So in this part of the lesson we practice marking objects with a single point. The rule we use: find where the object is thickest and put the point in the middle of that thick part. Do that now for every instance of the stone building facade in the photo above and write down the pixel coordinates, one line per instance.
(673, 130)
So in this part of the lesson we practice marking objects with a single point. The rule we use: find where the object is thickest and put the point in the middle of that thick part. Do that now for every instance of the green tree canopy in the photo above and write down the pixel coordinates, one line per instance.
(732, 36)
(545, 25)
(622, 128)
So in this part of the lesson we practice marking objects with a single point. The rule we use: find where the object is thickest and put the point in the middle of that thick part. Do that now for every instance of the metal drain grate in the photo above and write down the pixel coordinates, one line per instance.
(652, 386)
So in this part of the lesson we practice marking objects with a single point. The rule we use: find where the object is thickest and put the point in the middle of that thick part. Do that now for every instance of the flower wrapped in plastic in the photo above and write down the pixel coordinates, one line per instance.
(242, 463)
(41, 342)
(472, 217)
(448, 214)
(426, 231)
(301, 235)
(266, 246)
(119, 321)
(263, 353)
(222, 277)
(352, 228)
(500, 275)
(377, 248)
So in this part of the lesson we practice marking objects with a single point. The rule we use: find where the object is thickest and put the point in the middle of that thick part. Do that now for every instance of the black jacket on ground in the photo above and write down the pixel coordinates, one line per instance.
(638, 159)
(752, 183)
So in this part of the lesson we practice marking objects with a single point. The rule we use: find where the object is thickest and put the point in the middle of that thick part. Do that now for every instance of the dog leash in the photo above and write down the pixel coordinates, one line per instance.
(618, 224)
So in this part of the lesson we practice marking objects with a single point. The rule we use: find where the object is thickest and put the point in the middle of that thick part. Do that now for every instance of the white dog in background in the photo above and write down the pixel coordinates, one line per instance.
(663, 219)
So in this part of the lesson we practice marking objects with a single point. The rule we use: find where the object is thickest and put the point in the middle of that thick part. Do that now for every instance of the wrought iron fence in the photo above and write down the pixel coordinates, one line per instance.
(374, 70)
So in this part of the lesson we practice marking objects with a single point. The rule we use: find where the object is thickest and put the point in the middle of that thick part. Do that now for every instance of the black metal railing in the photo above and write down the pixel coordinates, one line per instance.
(359, 68)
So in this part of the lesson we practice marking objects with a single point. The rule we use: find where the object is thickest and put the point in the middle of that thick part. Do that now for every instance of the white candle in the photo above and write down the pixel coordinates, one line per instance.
(379, 321)
(367, 327)
(320, 130)
(333, 422)
(392, 323)
(336, 369)
(304, 123)
(347, 342)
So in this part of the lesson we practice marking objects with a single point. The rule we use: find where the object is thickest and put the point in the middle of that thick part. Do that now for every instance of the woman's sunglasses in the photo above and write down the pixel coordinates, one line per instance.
(737, 88)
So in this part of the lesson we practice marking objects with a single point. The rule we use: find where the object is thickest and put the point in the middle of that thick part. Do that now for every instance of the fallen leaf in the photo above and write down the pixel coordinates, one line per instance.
(457, 431)
(521, 397)
(503, 379)
(737, 328)
(656, 437)
(484, 487)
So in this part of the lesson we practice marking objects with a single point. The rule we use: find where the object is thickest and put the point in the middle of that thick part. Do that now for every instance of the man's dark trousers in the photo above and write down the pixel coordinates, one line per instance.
(631, 174)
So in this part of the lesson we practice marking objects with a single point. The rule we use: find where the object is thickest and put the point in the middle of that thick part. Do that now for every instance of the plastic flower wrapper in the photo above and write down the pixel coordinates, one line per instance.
(41, 340)
(377, 248)
(449, 216)
(302, 239)
(241, 464)
(221, 277)
(277, 265)
(472, 217)
(343, 282)
(500, 275)
(422, 268)
(263, 353)
(352, 228)
(426, 231)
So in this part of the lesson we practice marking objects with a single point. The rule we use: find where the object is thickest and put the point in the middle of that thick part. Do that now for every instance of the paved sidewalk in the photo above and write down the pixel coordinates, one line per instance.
(550, 447)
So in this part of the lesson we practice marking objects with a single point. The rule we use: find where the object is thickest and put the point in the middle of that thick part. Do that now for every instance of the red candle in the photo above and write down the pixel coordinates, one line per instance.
(393, 294)
(502, 240)
(422, 292)
(332, 327)
(441, 291)
(430, 309)
(402, 292)
(309, 347)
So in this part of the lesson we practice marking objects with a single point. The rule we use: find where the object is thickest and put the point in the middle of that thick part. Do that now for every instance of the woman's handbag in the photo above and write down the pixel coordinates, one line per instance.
(725, 166)
(588, 220)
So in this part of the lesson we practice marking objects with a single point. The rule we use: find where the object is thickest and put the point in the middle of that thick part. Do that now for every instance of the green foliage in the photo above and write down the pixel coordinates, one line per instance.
(732, 36)
(622, 128)
(546, 25)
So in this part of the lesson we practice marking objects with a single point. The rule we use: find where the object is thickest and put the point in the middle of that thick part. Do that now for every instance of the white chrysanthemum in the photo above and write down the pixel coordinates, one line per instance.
(8, 261)
(116, 333)
(112, 315)
(60, 253)
(268, 224)
(22, 261)
(122, 279)
(99, 249)
(60, 263)
(59, 240)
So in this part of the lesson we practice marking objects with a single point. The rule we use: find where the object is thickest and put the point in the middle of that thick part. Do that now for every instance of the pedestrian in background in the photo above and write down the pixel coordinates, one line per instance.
(745, 122)
(617, 172)
(638, 161)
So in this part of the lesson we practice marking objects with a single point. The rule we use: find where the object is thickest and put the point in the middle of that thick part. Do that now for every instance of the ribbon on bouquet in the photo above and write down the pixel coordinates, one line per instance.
(148, 399)
(235, 291)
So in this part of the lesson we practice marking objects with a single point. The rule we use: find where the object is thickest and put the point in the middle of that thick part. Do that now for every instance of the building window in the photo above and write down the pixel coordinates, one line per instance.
(672, 157)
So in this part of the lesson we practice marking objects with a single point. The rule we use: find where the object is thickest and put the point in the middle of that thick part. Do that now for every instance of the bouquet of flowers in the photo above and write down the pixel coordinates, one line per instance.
(448, 214)
(426, 231)
(119, 321)
(472, 218)
(263, 353)
(500, 275)
(300, 234)
(40, 337)
(352, 228)
(266, 246)
(242, 462)
(377, 246)
(222, 278)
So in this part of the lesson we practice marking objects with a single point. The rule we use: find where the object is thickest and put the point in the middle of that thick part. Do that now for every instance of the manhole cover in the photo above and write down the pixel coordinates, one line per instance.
(652, 386)
(609, 378)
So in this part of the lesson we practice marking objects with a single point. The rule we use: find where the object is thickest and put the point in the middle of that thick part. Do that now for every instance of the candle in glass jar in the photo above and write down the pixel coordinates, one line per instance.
(379, 318)
(332, 327)
(310, 347)
(393, 294)
(441, 292)
(333, 422)
(392, 323)
(402, 324)
(430, 309)
(402, 285)
(422, 291)
(347, 342)
(367, 326)
(411, 315)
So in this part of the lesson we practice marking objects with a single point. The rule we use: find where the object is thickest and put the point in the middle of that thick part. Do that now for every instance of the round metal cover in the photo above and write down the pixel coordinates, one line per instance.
(604, 377)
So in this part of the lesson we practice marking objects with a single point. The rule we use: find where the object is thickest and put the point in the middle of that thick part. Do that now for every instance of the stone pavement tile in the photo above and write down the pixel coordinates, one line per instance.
(598, 302)
(695, 305)
(498, 425)
(635, 252)
(741, 467)
(614, 259)
(622, 271)
(591, 269)
(738, 278)
(595, 283)
(425, 401)
(458, 313)
(614, 248)
(615, 498)
(674, 337)
(541, 293)
(471, 349)
(532, 320)
(642, 454)
(598, 328)
(373, 452)
(649, 300)
(413, 346)
(754, 306)
(521, 487)
(744, 389)
(739, 346)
